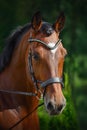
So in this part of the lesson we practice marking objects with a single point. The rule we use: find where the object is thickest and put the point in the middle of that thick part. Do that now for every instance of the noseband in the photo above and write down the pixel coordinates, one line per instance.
(43, 84)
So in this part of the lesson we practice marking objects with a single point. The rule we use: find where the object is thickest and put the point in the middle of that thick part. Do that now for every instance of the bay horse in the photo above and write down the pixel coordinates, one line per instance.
(30, 64)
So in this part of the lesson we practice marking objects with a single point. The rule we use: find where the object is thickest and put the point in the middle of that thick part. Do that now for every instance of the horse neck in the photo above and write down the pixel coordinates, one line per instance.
(32, 102)
(15, 76)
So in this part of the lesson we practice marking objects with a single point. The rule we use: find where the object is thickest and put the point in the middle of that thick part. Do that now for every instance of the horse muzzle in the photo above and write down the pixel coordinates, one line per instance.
(54, 100)
(55, 109)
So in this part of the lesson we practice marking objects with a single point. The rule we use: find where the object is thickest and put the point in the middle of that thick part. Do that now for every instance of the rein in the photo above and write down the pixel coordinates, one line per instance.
(25, 116)
(19, 92)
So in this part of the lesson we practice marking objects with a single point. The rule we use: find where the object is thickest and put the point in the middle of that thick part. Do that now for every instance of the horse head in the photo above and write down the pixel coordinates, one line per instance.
(46, 59)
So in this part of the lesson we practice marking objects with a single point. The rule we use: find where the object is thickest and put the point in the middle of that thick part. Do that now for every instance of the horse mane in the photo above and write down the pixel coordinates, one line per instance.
(13, 40)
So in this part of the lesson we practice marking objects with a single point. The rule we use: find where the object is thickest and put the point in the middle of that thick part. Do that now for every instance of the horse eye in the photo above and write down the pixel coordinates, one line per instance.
(36, 56)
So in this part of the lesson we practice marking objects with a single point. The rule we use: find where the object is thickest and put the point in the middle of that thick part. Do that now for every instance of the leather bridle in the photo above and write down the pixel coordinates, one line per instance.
(43, 84)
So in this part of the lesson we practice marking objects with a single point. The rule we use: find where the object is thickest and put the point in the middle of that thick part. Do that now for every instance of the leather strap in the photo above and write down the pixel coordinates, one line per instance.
(52, 80)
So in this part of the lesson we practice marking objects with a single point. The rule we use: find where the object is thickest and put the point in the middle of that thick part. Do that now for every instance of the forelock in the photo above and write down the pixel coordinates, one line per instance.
(47, 29)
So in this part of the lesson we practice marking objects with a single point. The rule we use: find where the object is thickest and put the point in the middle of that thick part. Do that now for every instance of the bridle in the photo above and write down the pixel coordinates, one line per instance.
(43, 84)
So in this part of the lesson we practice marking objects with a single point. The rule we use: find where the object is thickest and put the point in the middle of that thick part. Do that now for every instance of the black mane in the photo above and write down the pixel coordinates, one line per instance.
(13, 40)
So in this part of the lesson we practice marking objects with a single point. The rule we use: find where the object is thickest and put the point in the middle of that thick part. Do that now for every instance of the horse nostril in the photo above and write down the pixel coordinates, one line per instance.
(60, 107)
(50, 106)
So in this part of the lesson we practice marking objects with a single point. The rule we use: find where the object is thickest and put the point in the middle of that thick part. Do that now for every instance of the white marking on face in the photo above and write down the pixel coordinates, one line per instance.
(52, 45)
(53, 51)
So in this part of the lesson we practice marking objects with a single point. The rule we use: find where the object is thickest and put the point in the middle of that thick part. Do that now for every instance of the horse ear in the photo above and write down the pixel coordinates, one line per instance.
(59, 24)
(36, 21)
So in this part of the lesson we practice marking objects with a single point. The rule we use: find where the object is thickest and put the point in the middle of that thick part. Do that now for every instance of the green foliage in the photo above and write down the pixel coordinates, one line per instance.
(65, 121)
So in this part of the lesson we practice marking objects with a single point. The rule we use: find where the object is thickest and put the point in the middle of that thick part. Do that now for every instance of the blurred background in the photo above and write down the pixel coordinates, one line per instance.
(74, 37)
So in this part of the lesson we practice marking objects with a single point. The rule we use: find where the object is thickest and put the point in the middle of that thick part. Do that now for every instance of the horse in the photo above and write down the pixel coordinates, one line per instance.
(31, 65)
